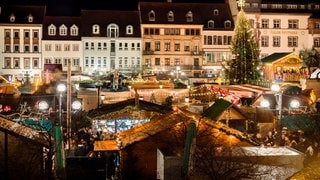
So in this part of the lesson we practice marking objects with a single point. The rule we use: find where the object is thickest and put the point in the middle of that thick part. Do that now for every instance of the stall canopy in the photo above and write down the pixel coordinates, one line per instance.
(105, 145)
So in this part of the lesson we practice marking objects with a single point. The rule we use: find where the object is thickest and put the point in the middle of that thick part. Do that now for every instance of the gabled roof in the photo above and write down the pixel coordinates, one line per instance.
(274, 57)
(168, 121)
(143, 105)
(21, 14)
(201, 12)
(58, 21)
(104, 18)
(24, 132)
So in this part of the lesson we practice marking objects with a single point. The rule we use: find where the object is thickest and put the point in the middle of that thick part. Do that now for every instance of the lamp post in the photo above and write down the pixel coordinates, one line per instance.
(61, 88)
(60, 155)
(278, 96)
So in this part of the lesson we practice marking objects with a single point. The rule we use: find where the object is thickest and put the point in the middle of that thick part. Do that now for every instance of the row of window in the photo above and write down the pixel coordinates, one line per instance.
(283, 6)
(75, 62)
(13, 18)
(276, 41)
(265, 23)
(169, 61)
(172, 31)
(16, 33)
(112, 30)
(167, 46)
(15, 63)
(58, 47)
(63, 30)
(103, 62)
(16, 48)
(170, 15)
(217, 40)
(103, 46)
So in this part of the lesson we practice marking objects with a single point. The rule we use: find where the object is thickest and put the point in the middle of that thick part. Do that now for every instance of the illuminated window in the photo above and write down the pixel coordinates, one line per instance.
(95, 29)
(189, 16)
(74, 30)
(52, 30)
(129, 29)
(170, 16)
(210, 24)
(63, 30)
(113, 31)
(292, 41)
(152, 16)
(216, 12)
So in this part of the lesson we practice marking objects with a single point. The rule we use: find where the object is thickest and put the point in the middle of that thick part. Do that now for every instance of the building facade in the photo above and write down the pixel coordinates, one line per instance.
(282, 26)
(111, 42)
(20, 39)
(61, 46)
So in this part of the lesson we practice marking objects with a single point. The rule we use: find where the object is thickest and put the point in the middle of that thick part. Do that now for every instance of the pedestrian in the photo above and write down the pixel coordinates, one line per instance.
(269, 139)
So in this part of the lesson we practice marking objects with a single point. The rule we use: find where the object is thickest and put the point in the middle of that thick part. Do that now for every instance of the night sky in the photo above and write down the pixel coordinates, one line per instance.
(73, 7)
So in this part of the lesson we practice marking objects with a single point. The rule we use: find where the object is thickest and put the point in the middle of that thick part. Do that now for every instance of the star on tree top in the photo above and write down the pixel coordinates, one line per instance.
(241, 3)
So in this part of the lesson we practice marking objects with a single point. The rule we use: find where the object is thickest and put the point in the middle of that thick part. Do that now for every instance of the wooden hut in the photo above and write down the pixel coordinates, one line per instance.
(286, 66)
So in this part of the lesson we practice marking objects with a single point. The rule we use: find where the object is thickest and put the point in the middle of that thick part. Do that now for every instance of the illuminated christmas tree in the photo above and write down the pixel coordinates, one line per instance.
(243, 67)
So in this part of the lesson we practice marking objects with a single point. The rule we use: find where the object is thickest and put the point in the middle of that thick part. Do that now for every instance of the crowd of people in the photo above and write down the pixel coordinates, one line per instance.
(85, 139)
(293, 139)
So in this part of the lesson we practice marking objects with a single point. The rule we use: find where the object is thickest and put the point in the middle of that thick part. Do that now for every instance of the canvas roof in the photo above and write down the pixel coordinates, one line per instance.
(169, 120)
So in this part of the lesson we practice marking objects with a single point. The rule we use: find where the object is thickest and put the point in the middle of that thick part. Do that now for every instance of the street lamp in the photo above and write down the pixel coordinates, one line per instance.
(294, 104)
(76, 105)
(278, 96)
(61, 88)
(60, 155)
(43, 105)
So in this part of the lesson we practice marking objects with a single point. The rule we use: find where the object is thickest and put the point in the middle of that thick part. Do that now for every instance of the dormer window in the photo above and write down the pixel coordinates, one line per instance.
(211, 24)
(74, 30)
(129, 29)
(152, 15)
(170, 16)
(189, 16)
(216, 12)
(95, 29)
(227, 24)
(52, 30)
(113, 31)
(12, 18)
(30, 18)
(63, 30)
